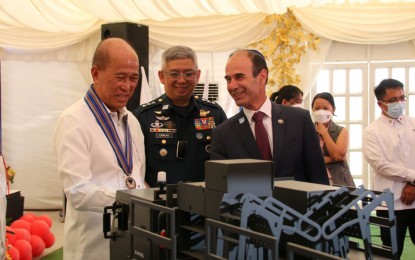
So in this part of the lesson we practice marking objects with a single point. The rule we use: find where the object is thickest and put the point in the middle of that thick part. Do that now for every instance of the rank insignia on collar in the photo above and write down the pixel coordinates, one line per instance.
(203, 113)
(157, 112)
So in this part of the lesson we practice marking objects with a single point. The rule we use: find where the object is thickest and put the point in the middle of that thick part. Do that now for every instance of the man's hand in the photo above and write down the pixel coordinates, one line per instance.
(408, 194)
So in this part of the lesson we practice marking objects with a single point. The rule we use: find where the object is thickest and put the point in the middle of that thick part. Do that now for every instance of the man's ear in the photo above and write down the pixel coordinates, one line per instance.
(380, 104)
(263, 74)
(198, 76)
(161, 76)
(94, 73)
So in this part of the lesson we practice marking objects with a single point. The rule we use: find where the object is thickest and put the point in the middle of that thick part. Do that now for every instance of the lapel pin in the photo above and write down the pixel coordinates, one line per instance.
(241, 120)
(280, 121)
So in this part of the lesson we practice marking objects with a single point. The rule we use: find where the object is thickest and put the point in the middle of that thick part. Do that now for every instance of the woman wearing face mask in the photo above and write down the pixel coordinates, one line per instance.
(334, 140)
(288, 95)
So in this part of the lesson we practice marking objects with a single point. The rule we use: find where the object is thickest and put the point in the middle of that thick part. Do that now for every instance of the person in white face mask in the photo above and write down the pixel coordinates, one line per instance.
(288, 95)
(334, 140)
(389, 148)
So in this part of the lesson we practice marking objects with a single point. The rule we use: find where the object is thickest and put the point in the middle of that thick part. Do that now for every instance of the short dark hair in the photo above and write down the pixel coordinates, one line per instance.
(380, 90)
(258, 61)
(324, 95)
(287, 92)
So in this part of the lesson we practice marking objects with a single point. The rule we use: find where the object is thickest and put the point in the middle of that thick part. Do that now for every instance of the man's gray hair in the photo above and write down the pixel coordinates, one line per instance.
(178, 52)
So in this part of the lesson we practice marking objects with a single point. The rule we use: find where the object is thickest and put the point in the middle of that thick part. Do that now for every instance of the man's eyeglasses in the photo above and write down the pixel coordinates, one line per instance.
(188, 75)
(394, 100)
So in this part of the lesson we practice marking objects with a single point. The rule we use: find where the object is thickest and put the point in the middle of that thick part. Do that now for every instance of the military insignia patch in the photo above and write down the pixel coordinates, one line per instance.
(164, 118)
(203, 113)
(205, 123)
(169, 125)
(162, 130)
(157, 124)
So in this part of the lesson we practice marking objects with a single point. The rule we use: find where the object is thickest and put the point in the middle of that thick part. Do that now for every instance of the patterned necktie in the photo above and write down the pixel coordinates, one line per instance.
(261, 136)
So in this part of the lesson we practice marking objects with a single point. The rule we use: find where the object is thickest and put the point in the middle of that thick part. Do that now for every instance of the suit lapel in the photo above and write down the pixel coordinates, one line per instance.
(278, 132)
(243, 130)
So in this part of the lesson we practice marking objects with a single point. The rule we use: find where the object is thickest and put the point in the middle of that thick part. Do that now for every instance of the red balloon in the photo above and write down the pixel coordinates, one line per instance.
(21, 234)
(31, 214)
(40, 228)
(49, 240)
(11, 237)
(21, 223)
(28, 217)
(47, 219)
(38, 246)
(25, 249)
(13, 253)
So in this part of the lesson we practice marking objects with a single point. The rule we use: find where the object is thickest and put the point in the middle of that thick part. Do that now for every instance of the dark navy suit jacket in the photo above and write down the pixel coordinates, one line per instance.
(296, 148)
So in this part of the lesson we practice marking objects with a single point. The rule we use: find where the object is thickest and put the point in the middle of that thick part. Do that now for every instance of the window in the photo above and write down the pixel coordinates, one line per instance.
(402, 71)
(346, 83)
(213, 91)
(351, 85)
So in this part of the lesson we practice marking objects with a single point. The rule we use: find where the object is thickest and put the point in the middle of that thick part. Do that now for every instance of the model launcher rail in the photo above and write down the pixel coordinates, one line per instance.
(241, 212)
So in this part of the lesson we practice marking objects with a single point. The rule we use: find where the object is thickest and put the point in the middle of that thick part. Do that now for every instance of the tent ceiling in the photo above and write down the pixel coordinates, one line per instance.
(33, 26)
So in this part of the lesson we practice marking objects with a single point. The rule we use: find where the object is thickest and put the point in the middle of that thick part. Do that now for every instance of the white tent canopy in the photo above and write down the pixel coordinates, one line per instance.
(46, 47)
(32, 27)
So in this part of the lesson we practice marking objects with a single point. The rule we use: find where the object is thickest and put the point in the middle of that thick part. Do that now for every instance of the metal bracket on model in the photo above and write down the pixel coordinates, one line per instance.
(241, 212)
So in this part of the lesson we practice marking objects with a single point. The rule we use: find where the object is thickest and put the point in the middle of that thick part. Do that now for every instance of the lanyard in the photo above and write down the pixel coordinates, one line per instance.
(104, 121)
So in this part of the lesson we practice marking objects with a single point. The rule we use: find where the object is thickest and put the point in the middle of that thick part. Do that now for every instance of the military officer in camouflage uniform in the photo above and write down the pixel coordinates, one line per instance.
(177, 125)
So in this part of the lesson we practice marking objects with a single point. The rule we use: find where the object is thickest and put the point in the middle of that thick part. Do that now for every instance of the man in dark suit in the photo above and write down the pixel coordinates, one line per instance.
(294, 148)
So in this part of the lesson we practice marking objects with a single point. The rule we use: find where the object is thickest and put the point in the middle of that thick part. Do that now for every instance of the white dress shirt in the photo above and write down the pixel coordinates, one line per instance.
(267, 120)
(389, 147)
(91, 176)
